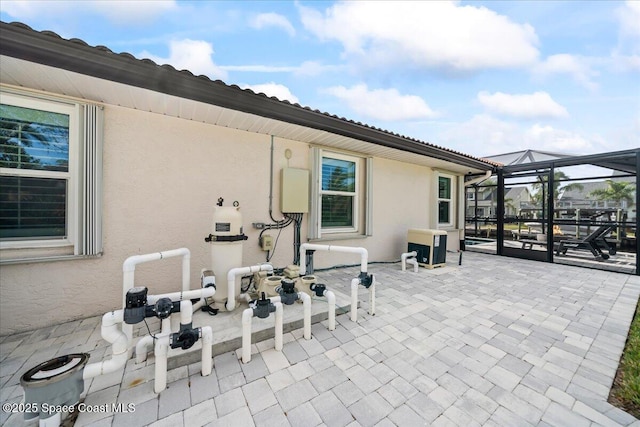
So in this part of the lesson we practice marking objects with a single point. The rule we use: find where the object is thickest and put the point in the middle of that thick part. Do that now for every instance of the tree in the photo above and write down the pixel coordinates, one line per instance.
(616, 191)
(558, 188)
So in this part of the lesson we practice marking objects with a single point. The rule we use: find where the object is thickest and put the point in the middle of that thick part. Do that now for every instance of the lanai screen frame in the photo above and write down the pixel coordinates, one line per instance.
(627, 161)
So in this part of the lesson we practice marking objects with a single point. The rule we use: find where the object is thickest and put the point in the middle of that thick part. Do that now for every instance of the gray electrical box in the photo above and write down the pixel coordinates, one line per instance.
(294, 194)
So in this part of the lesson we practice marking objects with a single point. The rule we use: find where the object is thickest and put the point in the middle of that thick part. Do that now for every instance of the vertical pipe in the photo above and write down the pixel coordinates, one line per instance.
(247, 315)
(207, 343)
(372, 297)
(331, 300)
(161, 352)
(354, 300)
(279, 325)
(306, 303)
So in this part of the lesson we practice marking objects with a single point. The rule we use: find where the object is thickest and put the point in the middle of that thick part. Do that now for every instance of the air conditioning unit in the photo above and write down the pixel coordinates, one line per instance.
(431, 246)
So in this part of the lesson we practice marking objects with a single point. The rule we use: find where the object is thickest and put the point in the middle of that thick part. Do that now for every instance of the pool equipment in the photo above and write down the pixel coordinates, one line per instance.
(409, 258)
(57, 382)
(139, 307)
(261, 308)
(231, 283)
(364, 279)
(128, 280)
(226, 251)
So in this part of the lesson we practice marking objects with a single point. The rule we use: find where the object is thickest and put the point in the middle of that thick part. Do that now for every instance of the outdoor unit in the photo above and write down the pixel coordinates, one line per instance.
(431, 246)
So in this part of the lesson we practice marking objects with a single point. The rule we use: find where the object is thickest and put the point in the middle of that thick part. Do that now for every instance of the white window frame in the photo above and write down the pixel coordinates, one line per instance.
(364, 192)
(83, 177)
(451, 199)
(355, 198)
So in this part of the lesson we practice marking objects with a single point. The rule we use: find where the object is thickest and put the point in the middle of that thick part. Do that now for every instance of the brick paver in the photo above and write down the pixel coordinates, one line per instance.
(495, 342)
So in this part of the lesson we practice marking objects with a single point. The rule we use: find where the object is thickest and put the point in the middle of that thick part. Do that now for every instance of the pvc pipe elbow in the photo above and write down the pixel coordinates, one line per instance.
(142, 348)
(247, 314)
(231, 281)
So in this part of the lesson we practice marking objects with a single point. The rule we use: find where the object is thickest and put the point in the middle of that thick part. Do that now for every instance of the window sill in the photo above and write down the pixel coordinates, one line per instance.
(338, 236)
(55, 258)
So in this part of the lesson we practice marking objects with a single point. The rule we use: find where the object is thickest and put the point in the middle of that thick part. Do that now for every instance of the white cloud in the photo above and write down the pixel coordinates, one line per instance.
(307, 68)
(629, 18)
(265, 20)
(484, 135)
(192, 55)
(273, 89)
(547, 138)
(383, 104)
(119, 12)
(577, 67)
(438, 35)
(527, 106)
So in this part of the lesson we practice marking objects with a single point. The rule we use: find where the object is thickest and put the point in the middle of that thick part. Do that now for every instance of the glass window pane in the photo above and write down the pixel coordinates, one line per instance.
(33, 139)
(337, 211)
(443, 212)
(338, 175)
(32, 208)
(444, 188)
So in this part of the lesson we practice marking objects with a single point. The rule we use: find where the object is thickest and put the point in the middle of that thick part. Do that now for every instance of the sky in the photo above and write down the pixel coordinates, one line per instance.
(482, 78)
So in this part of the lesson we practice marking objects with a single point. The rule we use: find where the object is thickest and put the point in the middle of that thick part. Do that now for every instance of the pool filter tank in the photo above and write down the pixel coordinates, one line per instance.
(226, 249)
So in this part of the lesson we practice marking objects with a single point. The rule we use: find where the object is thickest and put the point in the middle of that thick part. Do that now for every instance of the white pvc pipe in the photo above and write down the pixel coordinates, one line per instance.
(186, 312)
(231, 281)
(354, 300)
(119, 346)
(306, 306)
(142, 348)
(372, 296)
(247, 315)
(364, 255)
(409, 258)
(331, 300)
(279, 325)
(161, 352)
(129, 267)
(306, 303)
(183, 295)
(207, 343)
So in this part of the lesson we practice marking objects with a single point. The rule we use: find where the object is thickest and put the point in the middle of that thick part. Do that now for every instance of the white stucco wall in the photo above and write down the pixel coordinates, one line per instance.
(162, 177)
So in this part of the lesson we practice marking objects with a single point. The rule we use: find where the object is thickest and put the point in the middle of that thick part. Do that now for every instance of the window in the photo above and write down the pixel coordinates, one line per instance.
(50, 162)
(445, 200)
(341, 194)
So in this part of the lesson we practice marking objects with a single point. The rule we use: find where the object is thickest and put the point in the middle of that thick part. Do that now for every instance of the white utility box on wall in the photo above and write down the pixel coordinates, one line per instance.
(431, 246)
(294, 197)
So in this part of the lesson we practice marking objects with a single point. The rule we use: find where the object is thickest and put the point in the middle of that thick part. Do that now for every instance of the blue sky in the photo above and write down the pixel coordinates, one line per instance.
(478, 77)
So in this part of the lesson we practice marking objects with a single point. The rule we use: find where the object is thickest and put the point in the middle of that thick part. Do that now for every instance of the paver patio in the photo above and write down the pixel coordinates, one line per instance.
(495, 342)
